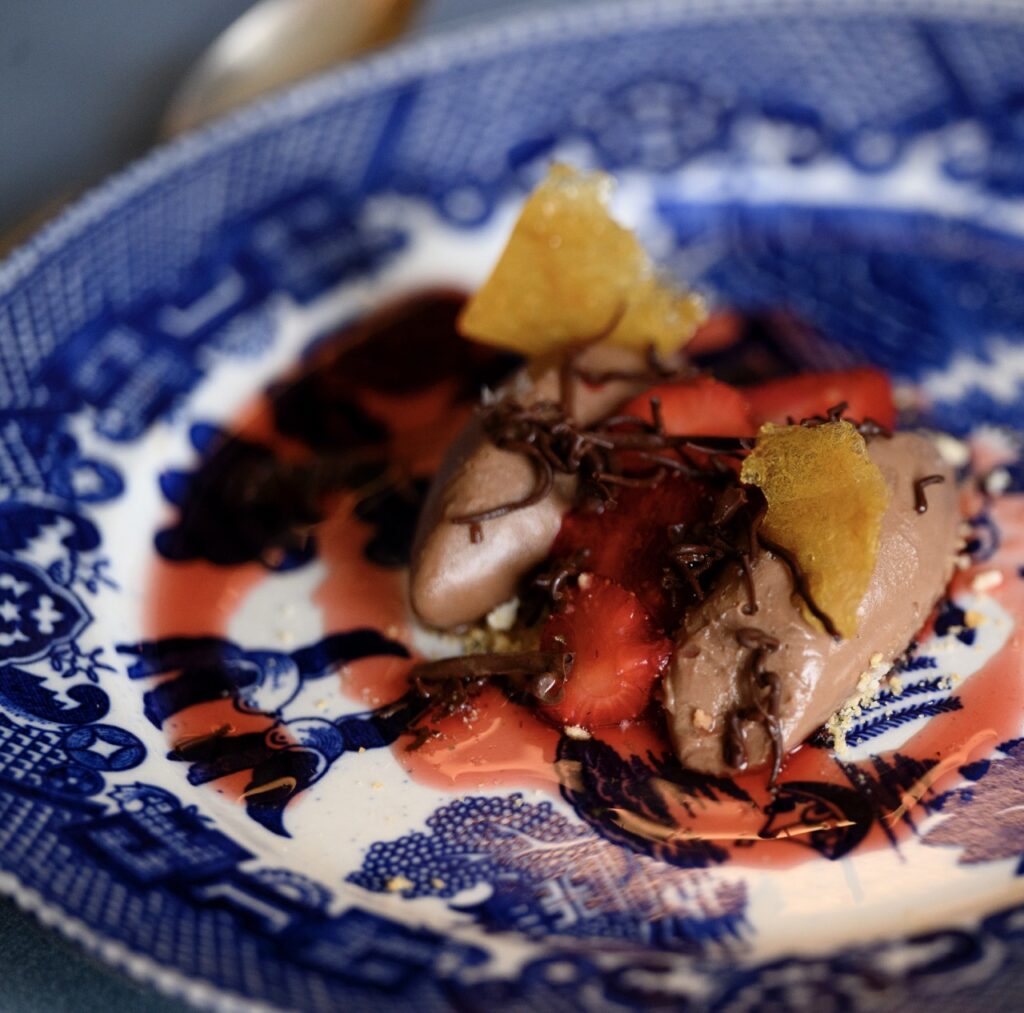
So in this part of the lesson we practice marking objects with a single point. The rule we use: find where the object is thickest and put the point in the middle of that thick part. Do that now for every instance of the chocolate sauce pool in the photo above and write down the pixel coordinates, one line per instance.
(332, 463)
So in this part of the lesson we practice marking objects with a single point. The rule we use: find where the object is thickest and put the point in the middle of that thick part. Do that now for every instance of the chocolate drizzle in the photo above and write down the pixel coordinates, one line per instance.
(800, 584)
(920, 484)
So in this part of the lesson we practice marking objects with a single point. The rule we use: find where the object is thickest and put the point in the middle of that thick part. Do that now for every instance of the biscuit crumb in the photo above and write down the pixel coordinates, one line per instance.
(954, 452)
(577, 732)
(437, 883)
(987, 580)
(869, 685)
(585, 581)
(973, 619)
(702, 719)
(398, 883)
(997, 481)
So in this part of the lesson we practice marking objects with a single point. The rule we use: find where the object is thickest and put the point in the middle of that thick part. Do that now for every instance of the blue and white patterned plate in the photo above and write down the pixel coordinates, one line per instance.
(858, 168)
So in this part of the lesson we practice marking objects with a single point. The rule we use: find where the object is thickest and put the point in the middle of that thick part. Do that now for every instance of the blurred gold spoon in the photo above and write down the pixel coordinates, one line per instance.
(276, 42)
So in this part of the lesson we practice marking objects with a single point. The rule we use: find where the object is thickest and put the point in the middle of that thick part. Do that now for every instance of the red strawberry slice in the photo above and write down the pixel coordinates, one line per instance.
(618, 654)
(867, 391)
(700, 407)
(628, 541)
(717, 333)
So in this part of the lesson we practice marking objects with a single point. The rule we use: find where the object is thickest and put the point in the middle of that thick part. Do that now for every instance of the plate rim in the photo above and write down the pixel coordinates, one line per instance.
(429, 53)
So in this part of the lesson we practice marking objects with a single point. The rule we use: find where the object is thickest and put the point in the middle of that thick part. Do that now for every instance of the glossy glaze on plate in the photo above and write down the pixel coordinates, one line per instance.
(864, 172)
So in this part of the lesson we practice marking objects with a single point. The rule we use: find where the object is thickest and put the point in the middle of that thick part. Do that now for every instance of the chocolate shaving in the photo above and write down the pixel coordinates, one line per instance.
(867, 427)
(559, 572)
(920, 484)
(447, 687)
(554, 445)
(428, 675)
(545, 585)
(751, 608)
(730, 534)
(764, 689)
(731, 501)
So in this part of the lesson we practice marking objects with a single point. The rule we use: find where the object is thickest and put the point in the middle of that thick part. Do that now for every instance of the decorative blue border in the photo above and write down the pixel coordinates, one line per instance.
(148, 848)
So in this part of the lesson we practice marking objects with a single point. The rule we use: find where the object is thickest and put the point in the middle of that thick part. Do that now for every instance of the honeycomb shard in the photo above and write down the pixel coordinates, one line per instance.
(570, 273)
(826, 499)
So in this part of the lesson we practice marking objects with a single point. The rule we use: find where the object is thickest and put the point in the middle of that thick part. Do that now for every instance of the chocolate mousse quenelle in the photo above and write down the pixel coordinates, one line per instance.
(647, 538)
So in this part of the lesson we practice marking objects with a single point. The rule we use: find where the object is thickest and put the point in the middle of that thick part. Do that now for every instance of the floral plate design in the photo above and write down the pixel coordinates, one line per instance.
(201, 778)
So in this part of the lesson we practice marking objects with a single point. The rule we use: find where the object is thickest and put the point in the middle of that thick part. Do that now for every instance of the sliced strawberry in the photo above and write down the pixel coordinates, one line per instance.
(618, 654)
(700, 407)
(628, 540)
(867, 392)
(717, 333)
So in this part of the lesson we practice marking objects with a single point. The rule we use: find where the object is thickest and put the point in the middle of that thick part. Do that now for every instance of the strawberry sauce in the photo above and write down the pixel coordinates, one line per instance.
(378, 404)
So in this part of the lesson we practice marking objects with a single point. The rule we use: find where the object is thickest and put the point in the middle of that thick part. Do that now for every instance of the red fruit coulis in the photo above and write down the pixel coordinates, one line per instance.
(407, 366)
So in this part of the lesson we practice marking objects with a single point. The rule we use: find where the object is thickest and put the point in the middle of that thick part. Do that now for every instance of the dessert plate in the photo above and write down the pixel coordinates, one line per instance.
(200, 777)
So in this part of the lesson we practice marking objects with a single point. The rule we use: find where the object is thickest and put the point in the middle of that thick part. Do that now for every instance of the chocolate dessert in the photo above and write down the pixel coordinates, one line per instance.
(734, 558)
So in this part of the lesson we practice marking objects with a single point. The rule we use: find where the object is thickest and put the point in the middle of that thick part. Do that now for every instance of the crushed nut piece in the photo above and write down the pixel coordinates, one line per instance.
(503, 617)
